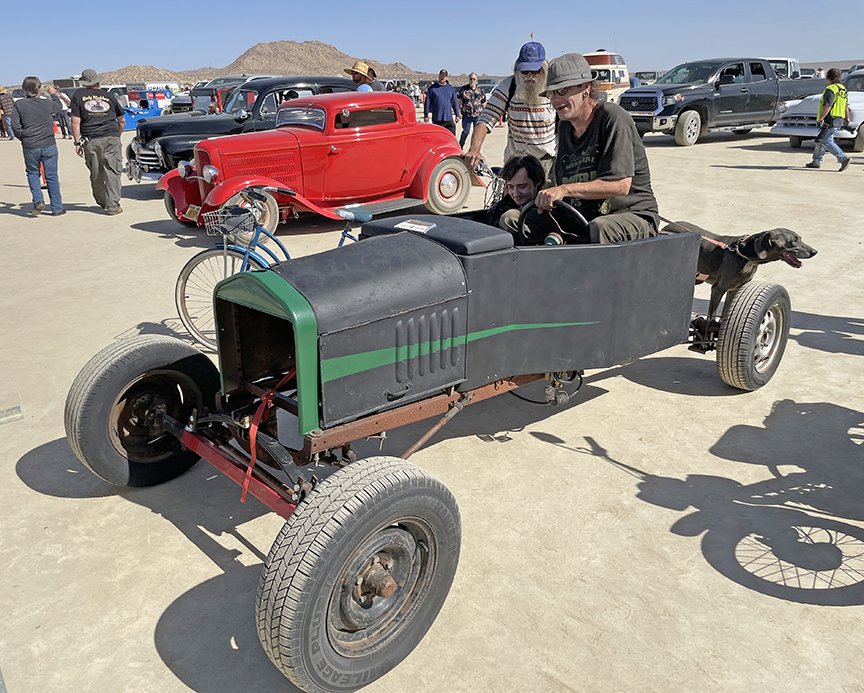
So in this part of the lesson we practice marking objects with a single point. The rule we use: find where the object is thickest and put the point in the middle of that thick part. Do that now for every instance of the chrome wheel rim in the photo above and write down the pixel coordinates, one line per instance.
(448, 185)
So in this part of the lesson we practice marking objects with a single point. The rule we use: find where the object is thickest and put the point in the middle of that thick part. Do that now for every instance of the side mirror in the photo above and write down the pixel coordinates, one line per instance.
(242, 114)
(725, 79)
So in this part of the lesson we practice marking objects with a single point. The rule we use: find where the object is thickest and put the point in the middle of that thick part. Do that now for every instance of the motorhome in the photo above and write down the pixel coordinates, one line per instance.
(610, 72)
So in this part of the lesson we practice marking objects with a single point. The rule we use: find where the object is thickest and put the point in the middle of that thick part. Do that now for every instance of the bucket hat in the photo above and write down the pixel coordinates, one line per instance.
(360, 68)
(89, 77)
(532, 55)
(568, 70)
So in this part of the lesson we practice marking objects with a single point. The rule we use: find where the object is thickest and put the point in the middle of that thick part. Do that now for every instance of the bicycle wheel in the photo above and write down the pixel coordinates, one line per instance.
(194, 291)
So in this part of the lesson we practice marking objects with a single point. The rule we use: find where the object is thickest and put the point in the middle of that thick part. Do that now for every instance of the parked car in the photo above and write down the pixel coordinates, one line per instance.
(785, 68)
(798, 118)
(334, 150)
(808, 72)
(647, 77)
(736, 94)
(161, 143)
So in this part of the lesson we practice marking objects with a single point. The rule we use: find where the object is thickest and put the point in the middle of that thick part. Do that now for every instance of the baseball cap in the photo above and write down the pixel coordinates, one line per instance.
(443, 72)
(89, 77)
(568, 70)
(531, 57)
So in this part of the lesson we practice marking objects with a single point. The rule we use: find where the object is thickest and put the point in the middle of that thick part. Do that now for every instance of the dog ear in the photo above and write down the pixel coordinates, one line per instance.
(761, 245)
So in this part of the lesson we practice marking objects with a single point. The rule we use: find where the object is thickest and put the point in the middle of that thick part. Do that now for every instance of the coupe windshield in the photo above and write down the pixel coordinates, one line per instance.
(241, 100)
(304, 116)
(690, 73)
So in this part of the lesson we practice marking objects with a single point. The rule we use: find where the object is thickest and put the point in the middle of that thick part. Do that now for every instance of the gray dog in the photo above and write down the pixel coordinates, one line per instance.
(729, 262)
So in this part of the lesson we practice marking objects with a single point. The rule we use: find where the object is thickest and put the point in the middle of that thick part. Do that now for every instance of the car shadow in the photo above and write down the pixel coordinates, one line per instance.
(184, 236)
(668, 140)
(141, 191)
(789, 536)
(760, 168)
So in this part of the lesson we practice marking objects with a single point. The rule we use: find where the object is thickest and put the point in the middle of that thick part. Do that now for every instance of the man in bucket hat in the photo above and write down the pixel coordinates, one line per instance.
(97, 123)
(530, 116)
(364, 77)
(600, 166)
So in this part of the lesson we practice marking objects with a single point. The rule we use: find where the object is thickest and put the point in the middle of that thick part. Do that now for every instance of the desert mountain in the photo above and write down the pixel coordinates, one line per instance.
(274, 58)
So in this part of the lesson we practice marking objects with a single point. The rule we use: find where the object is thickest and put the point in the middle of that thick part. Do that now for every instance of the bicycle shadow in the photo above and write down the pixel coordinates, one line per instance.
(787, 536)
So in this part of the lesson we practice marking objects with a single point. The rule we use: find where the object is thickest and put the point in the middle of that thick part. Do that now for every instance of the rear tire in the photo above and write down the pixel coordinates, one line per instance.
(448, 186)
(358, 574)
(858, 142)
(754, 330)
(688, 128)
(266, 213)
(193, 293)
(112, 409)
(795, 142)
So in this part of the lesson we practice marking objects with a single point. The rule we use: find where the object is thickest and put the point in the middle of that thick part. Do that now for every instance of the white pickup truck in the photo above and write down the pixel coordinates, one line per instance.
(797, 119)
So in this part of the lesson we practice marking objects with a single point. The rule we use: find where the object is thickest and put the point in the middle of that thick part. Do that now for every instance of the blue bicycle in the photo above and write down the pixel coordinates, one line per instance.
(242, 248)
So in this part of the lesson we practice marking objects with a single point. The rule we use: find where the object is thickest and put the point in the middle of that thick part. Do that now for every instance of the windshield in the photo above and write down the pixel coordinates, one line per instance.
(240, 100)
(601, 75)
(645, 75)
(302, 116)
(855, 83)
(690, 73)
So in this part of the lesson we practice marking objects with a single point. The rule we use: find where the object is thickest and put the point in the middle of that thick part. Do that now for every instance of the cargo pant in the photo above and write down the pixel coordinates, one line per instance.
(104, 158)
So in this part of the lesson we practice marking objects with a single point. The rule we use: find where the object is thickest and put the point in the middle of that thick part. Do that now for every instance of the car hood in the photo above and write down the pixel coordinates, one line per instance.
(198, 124)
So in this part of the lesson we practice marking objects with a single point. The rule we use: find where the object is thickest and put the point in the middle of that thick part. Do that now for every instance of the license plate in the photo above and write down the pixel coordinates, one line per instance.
(192, 212)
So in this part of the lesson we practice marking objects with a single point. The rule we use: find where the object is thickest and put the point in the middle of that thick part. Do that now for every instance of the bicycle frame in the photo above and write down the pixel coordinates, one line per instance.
(255, 245)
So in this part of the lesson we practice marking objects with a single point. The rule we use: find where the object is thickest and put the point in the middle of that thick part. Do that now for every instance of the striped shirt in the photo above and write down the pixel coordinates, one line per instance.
(531, 127)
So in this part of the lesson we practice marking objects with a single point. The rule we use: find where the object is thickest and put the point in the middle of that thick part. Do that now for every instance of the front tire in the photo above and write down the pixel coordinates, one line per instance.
(858, 142)
(795, 142)
(171, 208)
(193, 293)
(688, 128)
(448, 187)
(266, 213)
(754, 330)
(112, 414)
(358, 574)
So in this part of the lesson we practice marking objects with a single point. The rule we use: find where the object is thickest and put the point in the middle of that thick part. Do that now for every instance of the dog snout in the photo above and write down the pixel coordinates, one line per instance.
(789, 241)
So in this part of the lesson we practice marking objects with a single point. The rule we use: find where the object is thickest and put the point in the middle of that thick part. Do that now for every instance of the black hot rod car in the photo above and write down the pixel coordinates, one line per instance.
(430, 314)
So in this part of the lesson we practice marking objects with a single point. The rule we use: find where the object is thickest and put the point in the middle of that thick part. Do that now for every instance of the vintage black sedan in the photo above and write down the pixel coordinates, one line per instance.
(161, 143)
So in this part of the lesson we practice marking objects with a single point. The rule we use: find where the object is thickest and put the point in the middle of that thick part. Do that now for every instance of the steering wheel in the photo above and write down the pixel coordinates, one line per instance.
(551, 239)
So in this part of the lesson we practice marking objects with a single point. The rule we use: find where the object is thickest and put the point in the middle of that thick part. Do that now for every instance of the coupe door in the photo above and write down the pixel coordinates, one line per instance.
(365, 156)
(732, 98)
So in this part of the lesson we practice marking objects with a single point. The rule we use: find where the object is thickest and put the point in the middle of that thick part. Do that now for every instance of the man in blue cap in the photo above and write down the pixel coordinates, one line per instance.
(530, 116)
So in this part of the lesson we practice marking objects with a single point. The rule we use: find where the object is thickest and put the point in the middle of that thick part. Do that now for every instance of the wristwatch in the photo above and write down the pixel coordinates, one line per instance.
(77, 144)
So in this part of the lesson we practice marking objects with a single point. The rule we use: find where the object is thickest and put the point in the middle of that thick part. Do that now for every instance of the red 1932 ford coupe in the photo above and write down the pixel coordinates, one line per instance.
(333, 150)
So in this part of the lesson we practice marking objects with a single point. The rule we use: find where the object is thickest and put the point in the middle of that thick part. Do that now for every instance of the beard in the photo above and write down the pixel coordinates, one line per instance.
(528, 91)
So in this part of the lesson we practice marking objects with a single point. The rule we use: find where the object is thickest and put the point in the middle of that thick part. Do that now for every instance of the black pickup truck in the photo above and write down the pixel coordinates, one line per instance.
(736, 94)
(161, 143)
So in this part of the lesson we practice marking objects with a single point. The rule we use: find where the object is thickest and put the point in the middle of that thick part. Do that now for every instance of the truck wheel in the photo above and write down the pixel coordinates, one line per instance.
(266, 212)
(358, 574)
(449, 186)
(753, 334)
(112, 408)
(171, 208)
(688, 128)
(795, 142)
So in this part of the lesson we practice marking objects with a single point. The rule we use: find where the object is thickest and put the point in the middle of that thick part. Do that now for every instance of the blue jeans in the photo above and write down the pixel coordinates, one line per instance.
(467, 123)
(825, 142)
(7, 118)
(47, 156)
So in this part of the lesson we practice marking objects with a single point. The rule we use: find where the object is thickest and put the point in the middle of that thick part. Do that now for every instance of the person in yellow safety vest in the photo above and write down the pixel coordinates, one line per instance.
(833, 114)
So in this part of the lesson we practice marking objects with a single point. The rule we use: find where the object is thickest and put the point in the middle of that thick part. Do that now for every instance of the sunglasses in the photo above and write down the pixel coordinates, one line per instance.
(564, 91)
(530, 72)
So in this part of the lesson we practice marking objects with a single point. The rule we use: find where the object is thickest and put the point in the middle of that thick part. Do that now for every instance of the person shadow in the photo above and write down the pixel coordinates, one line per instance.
(791, 536)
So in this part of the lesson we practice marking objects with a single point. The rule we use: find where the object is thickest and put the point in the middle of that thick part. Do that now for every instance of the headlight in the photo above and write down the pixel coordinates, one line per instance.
(184, 168)
(672, 100)
(158, 149)
(782, 108)
(210, 173)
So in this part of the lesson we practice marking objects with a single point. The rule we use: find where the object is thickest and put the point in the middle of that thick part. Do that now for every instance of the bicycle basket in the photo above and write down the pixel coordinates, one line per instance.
(236, 222)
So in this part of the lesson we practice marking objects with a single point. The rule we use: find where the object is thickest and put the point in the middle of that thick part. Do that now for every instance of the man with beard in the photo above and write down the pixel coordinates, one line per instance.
(530, 116)
(600, 166)
(364, 77)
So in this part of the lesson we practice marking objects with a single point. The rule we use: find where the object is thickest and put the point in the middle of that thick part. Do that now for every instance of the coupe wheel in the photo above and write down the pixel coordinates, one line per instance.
(449, 186)
(266, 213)
(171, 208)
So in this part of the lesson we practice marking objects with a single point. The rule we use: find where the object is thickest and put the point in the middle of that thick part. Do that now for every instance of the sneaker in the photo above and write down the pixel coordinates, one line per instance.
(37, 209)
(812, 164)
(845, 163)
(111, 211)
(59, 214)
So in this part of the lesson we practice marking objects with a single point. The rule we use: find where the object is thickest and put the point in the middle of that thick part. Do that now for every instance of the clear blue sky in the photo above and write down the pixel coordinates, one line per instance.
(54, 39)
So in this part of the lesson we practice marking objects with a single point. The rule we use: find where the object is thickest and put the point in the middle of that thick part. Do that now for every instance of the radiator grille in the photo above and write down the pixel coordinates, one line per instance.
(280, 165)
(646, 103)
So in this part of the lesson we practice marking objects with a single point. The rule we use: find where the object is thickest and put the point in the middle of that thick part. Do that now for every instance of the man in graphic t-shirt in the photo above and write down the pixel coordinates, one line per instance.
(97, 123)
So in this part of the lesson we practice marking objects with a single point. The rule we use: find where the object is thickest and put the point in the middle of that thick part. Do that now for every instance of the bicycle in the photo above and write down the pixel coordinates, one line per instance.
(242, 249)
(495, 187)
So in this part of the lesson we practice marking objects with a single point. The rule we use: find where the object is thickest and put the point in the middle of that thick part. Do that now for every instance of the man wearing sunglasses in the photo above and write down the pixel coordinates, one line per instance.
(530, 117)
(600, 166)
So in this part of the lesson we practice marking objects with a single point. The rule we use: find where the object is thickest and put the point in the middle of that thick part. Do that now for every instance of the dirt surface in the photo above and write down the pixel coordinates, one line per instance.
(651, 535)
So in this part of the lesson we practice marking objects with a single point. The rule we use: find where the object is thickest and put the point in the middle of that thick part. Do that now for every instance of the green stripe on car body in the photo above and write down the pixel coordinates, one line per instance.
(351, 364)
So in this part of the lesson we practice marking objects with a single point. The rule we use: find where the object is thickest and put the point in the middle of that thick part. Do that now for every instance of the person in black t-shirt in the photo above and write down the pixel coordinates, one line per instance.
(97, 123)
(600, 166)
